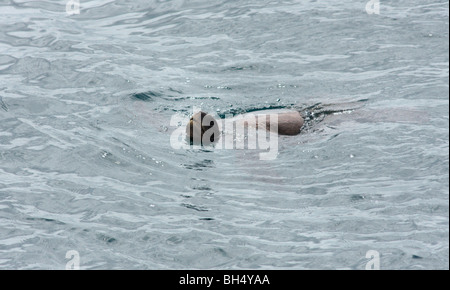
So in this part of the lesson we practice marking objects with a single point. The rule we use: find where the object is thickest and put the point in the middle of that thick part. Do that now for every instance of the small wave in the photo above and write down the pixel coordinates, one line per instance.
(200, 165)
(3, 105)
(194, 207)
(237, 111)
(148, 96)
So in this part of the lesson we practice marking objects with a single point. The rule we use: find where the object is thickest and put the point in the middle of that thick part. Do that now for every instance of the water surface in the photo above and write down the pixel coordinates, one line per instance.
(86, 162)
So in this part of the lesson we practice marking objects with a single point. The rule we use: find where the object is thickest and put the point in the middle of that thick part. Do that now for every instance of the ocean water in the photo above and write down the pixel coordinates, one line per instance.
(89, 176)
